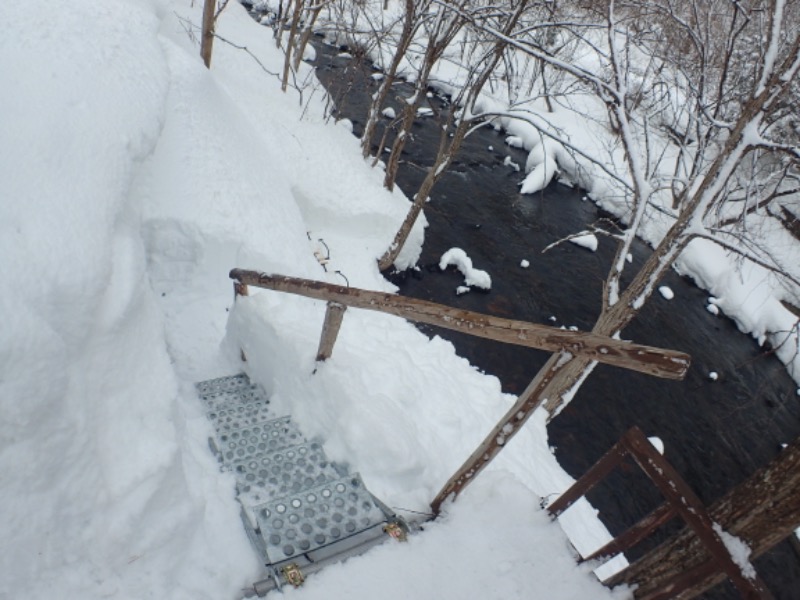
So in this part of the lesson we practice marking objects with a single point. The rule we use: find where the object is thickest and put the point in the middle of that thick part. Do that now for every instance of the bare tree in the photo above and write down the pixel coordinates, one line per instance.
(413, 18)
(445, 24)
(737, 133)
(450, 140)
(211, 10)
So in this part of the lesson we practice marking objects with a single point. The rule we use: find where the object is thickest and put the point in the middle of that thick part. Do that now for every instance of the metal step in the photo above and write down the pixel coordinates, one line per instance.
(305, 521)
(231, 383)
(254, 442)
(300, 510)
(279, 474)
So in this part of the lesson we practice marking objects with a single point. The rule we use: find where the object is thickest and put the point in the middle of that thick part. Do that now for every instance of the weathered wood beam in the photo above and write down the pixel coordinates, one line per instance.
(658, 362)
(635, 534)
(207, 32)
(503, 431)
(330, 329)
(599, 471)
(762, 511)
(678, 493)
(240, 289)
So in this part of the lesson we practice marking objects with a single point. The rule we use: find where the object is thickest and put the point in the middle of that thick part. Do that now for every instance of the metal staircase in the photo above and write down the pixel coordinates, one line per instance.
(301, 511)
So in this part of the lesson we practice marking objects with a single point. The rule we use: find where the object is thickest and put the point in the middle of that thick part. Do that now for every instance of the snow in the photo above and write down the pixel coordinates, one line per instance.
(138, 179)
(388, 112)
(540, 177)
(666, 292)
(524, 263)
(586, 240)
(658, 443)
(472, 276)
(713, 375)
(738, 549)
(510, 163)
(569, 137)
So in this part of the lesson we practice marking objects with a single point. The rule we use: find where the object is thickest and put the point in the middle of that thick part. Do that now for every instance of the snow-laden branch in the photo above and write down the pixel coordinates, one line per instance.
(603, 88)
(528, 116)
(771, 54)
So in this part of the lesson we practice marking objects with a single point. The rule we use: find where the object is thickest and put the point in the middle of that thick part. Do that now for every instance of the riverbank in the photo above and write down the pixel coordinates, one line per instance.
(728, 418)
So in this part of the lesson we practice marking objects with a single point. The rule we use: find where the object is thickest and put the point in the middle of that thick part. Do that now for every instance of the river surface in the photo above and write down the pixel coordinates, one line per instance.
(716, 432)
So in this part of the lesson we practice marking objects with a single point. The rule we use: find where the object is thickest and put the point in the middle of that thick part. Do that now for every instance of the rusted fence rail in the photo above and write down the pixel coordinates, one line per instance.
(668, 364)
(680, 501)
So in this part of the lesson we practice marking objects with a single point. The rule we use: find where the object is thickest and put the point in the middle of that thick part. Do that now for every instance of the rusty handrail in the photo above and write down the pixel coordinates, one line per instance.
(668, 364)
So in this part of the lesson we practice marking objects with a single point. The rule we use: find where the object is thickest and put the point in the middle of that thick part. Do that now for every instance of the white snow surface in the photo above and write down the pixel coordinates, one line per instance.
(586, 240)
(738, 549)
(666, 292)
(472, 276)
(133, 180)
(658, 443)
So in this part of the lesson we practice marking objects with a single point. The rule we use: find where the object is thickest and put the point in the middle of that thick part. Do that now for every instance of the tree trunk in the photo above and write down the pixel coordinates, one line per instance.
(291, 43)
(307, 33)
(441, 35)
(447, 150)
(762, 511)
(410, 107)
(207, 36)
(410, 27)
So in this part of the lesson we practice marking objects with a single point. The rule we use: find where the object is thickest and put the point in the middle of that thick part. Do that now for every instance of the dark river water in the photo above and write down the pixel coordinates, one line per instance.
(716, 433)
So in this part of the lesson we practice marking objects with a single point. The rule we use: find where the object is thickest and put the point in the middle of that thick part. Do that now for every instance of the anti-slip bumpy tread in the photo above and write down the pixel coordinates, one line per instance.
(296, 504)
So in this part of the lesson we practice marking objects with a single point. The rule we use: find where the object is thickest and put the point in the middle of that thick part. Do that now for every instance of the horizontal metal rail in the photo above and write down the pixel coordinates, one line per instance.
(668, 364)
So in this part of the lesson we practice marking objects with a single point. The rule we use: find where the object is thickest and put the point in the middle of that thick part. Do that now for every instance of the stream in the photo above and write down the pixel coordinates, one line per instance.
(716, 432)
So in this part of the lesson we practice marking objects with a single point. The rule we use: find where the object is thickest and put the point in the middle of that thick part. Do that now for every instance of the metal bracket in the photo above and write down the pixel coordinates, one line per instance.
(396, 531)
(293, 575)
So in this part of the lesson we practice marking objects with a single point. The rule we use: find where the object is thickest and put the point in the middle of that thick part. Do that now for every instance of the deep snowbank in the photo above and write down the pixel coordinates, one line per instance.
(101, 495)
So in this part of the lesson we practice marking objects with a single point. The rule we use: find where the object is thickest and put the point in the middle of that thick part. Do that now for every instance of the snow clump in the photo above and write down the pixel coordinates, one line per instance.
(658, 443)
(388, 112)
(472, 277)
(585, 240)
(666, 292)
(738, 549)
(510, 163)
(542, 164)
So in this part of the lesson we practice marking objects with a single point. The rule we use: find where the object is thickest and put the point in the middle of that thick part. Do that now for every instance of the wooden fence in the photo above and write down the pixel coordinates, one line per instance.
(680, 500)
(658, 362)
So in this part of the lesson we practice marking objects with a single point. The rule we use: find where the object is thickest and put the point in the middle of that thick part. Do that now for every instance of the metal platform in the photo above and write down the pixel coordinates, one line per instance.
(300, 510)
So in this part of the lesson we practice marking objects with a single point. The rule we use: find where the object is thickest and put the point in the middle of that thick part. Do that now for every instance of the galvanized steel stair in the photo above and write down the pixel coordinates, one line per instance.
(300, 510)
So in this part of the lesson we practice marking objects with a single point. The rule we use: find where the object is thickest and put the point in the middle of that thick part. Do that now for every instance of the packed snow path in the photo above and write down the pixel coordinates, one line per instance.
(300, 510)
